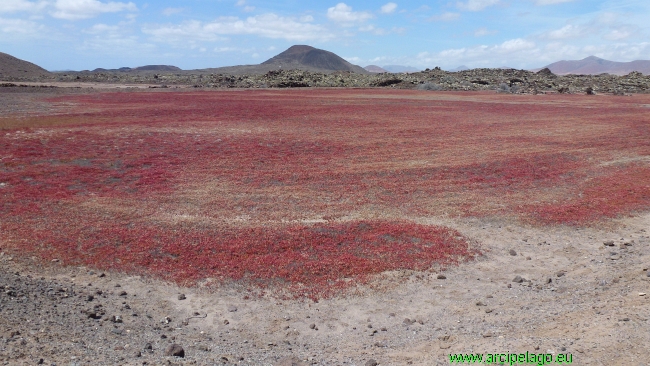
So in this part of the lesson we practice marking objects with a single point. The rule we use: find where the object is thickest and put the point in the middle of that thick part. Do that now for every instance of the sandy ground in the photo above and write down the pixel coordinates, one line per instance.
(578, 297)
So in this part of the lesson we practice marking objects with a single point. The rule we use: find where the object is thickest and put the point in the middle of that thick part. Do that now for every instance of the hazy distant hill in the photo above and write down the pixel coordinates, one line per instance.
(400, 68)
(594, 65)
(161, 68)
(375, 69)
(460, 68)
(12, 67)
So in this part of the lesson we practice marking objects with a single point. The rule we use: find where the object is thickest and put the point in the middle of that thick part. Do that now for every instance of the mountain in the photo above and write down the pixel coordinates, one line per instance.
(594, 65)
(307, 57)
(460, 68)
(400, 68)
(162, 68)
(300, 57)
(157, 68)
(12, 67)
(375, 69)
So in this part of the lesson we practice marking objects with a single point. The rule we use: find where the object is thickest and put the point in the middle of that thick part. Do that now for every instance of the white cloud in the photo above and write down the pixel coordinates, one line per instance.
(483, 32)
(266, 25)
(551, 2)
(172, 11)
(476, 5)
(245, 8)
(343, 13)
(519, 50)
(566, 32)
(444, 17)
(619, 34)
(10, 6)
(21, 28)
(84, 9)
(389, 8)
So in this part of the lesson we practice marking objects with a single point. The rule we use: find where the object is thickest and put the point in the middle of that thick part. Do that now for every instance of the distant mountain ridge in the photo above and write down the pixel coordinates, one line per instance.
(593, 65)
(375, 69)
(162, 68)
(400, 68)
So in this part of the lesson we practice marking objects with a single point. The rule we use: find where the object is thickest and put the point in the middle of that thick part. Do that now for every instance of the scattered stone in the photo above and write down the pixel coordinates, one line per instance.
(90, 298)
(232, 308)
(609, 243)
(371, 362)
(512, 252)
(226, 322)
(488, 335)
(116, 319)
(408, 321)
(181, 297)
(642, 293)
(137, 354)
(312, 326)
(560, 273)
(518, 279)
(488, 311)
(148, 347)
(290, 361)
(549, 280)
(175, 350)
(441, 277)
(122, 293)
(480, 303)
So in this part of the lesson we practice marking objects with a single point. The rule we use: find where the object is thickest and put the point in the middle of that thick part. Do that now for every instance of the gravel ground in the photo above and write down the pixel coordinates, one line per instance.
(573, 295)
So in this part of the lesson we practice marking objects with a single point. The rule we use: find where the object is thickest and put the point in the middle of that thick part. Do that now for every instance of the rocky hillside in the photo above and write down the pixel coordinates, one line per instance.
(500, 80)
(12, 68)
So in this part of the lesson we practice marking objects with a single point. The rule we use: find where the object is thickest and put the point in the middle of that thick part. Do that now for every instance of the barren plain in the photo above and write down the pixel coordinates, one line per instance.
(322, 226)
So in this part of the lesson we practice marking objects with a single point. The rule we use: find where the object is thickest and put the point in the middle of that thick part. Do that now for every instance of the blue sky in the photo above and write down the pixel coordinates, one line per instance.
(86, 34)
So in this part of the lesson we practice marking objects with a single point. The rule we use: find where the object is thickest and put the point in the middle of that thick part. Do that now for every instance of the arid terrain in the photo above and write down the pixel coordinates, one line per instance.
(321, 226)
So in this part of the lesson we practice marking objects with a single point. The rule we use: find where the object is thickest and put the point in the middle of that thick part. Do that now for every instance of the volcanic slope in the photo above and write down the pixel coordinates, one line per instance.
(12, 68)
(298, 57)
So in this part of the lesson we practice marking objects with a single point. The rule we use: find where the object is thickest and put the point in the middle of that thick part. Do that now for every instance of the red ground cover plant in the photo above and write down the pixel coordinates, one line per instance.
(313, 190)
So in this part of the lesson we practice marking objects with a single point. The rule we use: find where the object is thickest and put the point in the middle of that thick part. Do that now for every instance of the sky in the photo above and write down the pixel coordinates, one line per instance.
(190, 34)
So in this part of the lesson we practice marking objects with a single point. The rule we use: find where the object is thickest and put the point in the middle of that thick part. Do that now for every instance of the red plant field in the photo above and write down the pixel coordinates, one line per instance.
(313, 190)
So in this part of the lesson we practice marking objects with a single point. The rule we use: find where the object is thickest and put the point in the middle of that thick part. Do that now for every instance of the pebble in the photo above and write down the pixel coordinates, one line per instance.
(371, 362)
(512, 252)
(181, 297)
(560, 273)
(480, 303)
(122, 293)
(609, 243)
(441, 277)
(312, 326)
(232, 308)
(518, 279)
(175, 350)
